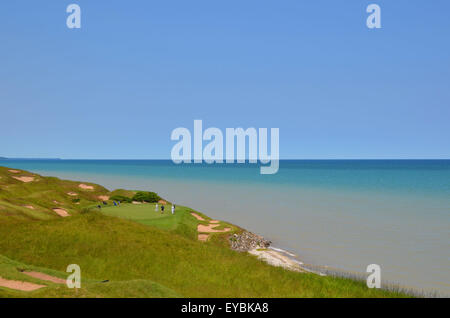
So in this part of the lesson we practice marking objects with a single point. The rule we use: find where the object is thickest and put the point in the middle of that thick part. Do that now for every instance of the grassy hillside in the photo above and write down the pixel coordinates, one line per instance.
(140, 252)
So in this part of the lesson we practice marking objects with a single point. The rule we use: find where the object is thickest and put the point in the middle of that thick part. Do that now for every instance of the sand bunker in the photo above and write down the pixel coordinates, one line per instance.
(210, 228)
(29, 207)
(72, 194)
(86, 187)
(198, 217)
(214, 221)
(23, 286)
(61, 212)
(136, 202)
(24, 179)
(13, 171)
(103, 197)
(203, 237)
(46, 277)
(162, 202)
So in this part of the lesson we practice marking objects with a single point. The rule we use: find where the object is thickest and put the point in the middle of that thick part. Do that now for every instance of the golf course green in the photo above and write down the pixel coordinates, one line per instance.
(132, 250)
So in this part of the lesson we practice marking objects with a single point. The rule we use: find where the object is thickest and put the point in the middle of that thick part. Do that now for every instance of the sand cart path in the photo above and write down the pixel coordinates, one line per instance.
(18, 285)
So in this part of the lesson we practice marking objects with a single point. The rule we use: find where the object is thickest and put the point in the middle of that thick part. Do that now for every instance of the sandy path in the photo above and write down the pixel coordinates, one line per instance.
(203, 237)
(85, 186)
(210, 228)
(24, 179)
(46, 277)
(18, 285)
(198, 217)
(61, 212)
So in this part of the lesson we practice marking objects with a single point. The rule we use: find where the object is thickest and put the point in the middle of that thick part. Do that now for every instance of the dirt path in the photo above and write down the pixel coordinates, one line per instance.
(198, 217)
(61, 212)
(46, 277)
(24, 179)
(210, 228)
(85, 186)
(18, 285)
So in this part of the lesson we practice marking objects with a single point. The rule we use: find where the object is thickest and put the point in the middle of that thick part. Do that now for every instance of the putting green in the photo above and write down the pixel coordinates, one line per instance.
(136, 212)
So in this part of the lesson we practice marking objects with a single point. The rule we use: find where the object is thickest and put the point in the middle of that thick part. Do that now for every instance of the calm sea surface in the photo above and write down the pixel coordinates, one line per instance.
(345, 214)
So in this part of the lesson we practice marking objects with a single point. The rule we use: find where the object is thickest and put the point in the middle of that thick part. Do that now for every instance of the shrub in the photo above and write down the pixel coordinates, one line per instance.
(120, 198)
(146, 196)
(76, 200)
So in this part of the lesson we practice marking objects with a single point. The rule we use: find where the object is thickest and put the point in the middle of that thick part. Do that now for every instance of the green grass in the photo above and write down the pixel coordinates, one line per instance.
(181, 222)
(141, 252)
(10, 269)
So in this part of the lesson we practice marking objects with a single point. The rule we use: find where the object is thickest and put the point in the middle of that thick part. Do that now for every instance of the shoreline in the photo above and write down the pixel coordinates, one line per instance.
(279, 257)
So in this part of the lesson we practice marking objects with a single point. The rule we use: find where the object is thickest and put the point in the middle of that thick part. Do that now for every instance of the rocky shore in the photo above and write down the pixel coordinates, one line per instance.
(247, 241)
(260, 247)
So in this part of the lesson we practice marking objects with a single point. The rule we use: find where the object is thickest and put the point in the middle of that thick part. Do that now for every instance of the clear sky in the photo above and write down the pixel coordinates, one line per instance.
(136, 70)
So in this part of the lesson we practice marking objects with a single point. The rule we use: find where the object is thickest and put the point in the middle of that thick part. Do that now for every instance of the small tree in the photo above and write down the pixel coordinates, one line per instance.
(144, 196)
(121, 198)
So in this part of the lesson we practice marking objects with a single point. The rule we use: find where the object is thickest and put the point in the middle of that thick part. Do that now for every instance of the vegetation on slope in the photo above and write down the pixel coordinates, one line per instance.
(140, 252)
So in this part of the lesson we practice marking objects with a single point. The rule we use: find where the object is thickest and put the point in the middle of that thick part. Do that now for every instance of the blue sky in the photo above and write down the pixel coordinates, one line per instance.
(136, 70)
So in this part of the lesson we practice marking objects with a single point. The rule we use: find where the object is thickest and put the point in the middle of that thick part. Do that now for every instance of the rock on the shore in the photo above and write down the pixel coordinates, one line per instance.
(247, 241)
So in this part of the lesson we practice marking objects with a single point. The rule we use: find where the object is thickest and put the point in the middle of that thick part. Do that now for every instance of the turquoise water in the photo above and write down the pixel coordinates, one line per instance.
(345, 214)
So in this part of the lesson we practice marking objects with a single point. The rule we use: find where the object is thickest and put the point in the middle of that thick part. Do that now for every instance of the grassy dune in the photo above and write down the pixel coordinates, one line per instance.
(139, 251)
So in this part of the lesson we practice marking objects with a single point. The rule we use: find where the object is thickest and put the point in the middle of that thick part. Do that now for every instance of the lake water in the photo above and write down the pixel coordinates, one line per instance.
(345, 214)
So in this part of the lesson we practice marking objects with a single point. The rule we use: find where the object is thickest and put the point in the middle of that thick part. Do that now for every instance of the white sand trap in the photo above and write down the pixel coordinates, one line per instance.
(210, 228)
(14, 171)
(203, 237)
(45, 277)
(61, 212)
(103, 197)
(86, 187)
(198, 217)
(24, 179)
(18, 285)
(29, 207)
(136, 202)
(73, 194)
